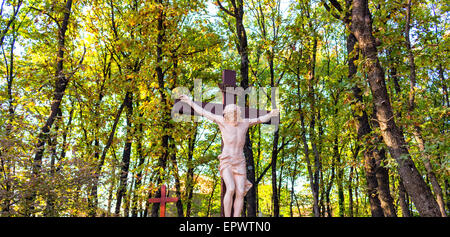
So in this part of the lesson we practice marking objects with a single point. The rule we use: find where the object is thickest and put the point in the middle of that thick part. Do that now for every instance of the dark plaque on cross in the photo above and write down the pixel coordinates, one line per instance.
(162, 200)
(230, 93)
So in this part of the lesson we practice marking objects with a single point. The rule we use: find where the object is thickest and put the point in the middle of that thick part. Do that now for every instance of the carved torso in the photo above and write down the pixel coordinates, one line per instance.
(233, 137)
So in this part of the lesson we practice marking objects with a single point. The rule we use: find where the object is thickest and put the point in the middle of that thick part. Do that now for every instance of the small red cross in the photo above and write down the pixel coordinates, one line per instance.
(163, 200)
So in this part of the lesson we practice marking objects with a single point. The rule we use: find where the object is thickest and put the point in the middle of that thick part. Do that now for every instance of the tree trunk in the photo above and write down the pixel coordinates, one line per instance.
(112, 186)
(60, 86)
(312, 124)
(356, 193)
(97, 172)
(341, 193)
(401, 189)
(382, 176)
(443, 84)
(372, 184)
(275, 200)
(51, 197)
(350, 193)
(306, 150)
(141, 158)
(4, 160)
(280, 179)
(179, 203)
(125, 164)
(58, 94)
(166, 126)
(340, 177)
(334, 163)
(248, 153)
(447, 192)
(294, 173)
(402, 199)
(275, 193)
(416, 130)
(190, 172)
(362, 130)
(376, 176)
(208, 211)
(361, 26)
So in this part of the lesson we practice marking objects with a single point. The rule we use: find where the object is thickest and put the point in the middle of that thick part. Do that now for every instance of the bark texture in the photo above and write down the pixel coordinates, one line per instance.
(361, 27)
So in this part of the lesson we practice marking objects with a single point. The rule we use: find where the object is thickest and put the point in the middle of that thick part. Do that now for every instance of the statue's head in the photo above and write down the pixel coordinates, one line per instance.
(232, 114)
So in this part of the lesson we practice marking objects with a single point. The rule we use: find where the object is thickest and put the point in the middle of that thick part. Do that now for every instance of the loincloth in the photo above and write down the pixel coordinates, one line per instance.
(237, 166)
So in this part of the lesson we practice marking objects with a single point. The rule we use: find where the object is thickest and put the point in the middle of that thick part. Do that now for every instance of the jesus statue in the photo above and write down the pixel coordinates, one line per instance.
(232, 161)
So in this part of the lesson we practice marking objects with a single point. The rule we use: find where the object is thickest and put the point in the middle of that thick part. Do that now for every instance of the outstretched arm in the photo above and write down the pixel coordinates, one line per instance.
(264, 118)
(197, 108)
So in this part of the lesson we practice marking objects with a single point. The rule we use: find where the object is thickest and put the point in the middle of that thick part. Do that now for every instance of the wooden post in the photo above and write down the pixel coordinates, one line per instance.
(228, 80)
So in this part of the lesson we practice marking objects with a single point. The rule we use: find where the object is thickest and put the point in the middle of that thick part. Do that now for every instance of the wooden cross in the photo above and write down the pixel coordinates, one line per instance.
(228, 97)
(162, 200)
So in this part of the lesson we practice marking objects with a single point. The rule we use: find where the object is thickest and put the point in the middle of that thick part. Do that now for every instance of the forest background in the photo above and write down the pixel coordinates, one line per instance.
(86, 93)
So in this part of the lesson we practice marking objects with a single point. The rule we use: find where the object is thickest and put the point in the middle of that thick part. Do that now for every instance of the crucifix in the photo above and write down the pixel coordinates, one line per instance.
(162, 200)
(233, 122)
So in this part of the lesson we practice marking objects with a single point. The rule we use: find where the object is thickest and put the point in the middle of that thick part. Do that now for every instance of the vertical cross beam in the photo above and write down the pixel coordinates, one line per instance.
(228, 80)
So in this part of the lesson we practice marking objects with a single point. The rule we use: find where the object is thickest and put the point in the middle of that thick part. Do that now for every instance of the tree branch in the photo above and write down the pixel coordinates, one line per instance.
(263, 173)
(80, 64)
(10, 21)
(336, 5)
(47, 14)
(224, 9)
(328, 8)
(270, 164)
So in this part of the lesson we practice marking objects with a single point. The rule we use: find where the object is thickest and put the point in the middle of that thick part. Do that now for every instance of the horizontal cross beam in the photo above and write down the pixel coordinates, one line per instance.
(217, 109)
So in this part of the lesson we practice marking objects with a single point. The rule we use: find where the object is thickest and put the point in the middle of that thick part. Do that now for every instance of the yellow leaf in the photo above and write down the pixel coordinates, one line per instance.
(154, 85)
